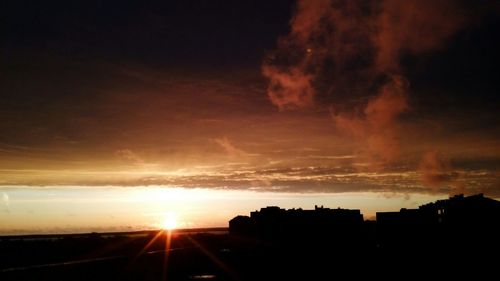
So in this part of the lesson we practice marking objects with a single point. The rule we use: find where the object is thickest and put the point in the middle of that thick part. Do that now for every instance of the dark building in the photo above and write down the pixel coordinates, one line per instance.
(281, 225)
(408, 226)
(241, 225)
(472, 220)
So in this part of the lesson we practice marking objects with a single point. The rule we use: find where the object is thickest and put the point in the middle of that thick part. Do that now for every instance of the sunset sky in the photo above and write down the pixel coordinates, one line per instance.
(115, 114)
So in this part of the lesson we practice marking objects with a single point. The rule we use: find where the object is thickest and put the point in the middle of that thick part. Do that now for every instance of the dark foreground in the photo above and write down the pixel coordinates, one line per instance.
(220, 256)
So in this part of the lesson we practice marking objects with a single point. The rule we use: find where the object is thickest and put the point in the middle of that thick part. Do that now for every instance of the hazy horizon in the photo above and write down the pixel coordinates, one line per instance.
(77, 209)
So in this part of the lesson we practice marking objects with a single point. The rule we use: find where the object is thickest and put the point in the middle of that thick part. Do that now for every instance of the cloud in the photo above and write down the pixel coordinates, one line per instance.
(353, 48)
(5, 201)
(286, 177)
(436, 171)
(328, 41)
(289, 89)
(128, 155)
(229, 148)
(376, 127)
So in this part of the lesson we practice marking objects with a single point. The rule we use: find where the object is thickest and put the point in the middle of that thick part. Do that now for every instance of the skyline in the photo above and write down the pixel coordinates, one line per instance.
(385, 100)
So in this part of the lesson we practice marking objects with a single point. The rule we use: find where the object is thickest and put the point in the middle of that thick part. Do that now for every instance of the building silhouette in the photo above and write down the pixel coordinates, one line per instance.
(463, 220)
(280, 225)
(466, 220)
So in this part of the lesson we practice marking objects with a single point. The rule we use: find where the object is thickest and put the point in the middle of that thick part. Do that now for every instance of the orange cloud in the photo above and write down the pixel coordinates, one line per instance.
(289, 89)
(326, 41)
(352, 46)
(436, 171)
(228, 146)
(128, 156)
(376, 128)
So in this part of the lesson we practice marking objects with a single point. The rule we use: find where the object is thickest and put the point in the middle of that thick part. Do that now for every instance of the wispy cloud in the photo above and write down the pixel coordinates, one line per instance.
(129, 156)
(6, 201)
(300, 179)
(229, 147)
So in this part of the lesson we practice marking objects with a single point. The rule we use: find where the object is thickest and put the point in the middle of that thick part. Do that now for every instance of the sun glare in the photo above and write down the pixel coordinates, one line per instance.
(169, 222)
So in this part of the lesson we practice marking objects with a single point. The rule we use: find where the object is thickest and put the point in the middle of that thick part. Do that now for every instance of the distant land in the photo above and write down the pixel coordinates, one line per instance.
(111, 234)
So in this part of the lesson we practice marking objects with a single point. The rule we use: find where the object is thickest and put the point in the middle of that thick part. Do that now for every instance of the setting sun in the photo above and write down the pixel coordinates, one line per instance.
(169, 222)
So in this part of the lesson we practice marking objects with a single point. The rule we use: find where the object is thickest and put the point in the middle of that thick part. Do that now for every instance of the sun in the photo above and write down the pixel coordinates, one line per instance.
(169, 222)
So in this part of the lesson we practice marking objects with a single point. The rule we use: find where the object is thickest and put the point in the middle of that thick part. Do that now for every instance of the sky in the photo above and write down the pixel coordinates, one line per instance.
(391, 102)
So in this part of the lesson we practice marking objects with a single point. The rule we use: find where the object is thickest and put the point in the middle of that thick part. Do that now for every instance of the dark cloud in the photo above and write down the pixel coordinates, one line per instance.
(415, 27)
(148, 93)
(350, 49)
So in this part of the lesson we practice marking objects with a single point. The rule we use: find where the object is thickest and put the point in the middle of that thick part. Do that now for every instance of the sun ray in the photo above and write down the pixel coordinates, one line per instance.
(214, 258)
(168, 238)
(149, 244)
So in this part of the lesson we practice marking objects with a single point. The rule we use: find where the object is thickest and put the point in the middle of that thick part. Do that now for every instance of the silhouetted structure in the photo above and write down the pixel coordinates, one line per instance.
(409, 226)
(241, 225)
(468, 221)
(463, 220)
(321, 224)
